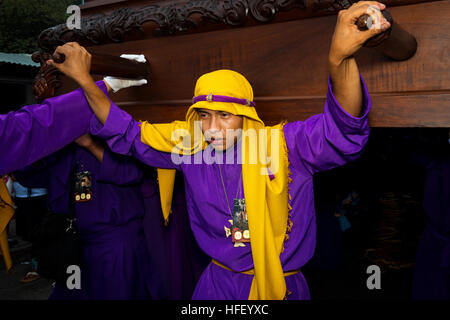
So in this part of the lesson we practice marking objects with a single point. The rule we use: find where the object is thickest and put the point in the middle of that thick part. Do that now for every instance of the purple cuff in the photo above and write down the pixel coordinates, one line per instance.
(343, 117)
(120, 130)
(116, 123)
(101, 84)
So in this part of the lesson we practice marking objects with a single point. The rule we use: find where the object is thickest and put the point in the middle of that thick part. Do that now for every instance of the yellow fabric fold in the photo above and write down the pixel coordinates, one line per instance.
(267, 219)
(166, 180)
(6, 213)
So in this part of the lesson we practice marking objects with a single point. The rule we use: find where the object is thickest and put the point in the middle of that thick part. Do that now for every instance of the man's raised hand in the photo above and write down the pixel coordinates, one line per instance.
(77, 64)
(347, 38)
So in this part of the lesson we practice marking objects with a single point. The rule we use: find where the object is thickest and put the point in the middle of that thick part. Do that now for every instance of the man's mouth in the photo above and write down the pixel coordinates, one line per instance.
(215, 141)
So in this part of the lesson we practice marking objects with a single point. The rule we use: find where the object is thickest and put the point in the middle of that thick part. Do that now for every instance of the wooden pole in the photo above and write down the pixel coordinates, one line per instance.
(395, 42)
(108, 65)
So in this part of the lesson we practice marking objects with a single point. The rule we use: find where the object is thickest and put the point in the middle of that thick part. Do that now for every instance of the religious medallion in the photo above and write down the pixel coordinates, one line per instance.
(83, 186)
(239, 231)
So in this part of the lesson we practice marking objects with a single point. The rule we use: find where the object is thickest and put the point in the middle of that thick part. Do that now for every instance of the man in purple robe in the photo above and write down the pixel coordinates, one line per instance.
(320, 143)
(109, 213)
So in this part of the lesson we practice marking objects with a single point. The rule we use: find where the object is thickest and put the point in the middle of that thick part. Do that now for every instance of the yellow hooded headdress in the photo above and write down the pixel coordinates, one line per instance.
(267, 219)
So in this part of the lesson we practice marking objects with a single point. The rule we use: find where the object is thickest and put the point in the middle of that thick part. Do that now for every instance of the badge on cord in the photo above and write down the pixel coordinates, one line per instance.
(83, 186)
(239, 230)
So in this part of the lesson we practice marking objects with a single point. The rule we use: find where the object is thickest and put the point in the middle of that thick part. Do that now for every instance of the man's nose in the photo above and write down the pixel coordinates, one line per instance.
(214, 125)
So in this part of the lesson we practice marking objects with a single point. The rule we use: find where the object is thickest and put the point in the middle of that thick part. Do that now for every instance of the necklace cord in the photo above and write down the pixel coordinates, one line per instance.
(225, 190)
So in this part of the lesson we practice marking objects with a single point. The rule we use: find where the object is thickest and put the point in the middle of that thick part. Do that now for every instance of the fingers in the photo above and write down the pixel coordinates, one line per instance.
(362, 7)
(73, 44)
(65, 49)
(83, 49)
(68, 48)
(377, 21)
(60, 50)
(380, 5)
(354, 13)
(50, 62)
(76, 46)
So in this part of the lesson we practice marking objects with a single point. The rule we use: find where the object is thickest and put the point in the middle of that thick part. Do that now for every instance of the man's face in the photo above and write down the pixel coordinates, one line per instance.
(215, 125)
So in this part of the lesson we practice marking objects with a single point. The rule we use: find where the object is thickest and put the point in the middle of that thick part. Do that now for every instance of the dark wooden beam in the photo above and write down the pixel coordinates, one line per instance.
(286, 63)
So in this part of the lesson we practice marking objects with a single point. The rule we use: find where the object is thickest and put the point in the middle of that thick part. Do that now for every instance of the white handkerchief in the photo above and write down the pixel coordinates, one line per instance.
(136, 57)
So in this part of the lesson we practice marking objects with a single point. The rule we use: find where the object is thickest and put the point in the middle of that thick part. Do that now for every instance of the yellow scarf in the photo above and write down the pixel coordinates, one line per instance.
(267, 219)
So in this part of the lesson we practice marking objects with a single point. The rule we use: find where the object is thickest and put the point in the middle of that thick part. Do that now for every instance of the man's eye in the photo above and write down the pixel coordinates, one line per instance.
(224, 114)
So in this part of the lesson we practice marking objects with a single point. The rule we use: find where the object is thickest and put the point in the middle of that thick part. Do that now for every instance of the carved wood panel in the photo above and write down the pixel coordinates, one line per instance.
(132, 20)
(286, 64)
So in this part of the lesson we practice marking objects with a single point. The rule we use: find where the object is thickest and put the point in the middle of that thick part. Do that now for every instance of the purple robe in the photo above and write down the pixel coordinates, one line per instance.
(36, 131)
(115, 258)
(319, 143)
(432, 267)
(178, 259)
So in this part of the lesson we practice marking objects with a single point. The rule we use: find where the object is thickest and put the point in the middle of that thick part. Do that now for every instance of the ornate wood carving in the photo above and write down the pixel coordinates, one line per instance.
(331, 6)
(169, 18)
(47, 80)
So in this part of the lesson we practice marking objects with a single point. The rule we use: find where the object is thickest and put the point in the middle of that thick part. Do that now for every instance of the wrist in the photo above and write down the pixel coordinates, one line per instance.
(90, 145)
(336, 61)
(85, 145)
(85, 142)
(85, 81)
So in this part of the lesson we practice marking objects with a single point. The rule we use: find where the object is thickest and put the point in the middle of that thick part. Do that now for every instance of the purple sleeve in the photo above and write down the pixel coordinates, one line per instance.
(329, 139)
(123, 135)
(36, 131)
(119, 169)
